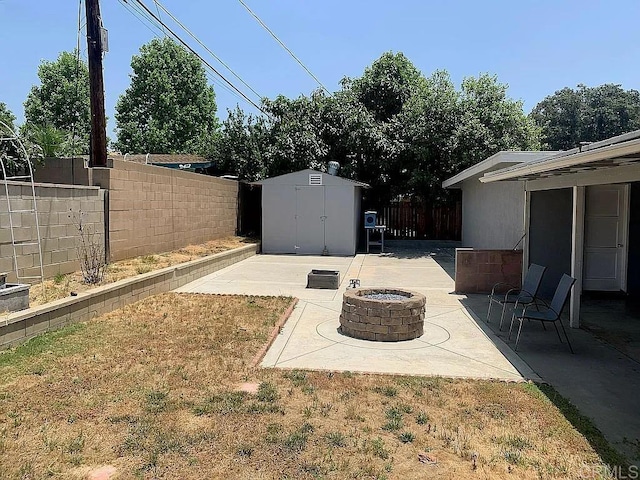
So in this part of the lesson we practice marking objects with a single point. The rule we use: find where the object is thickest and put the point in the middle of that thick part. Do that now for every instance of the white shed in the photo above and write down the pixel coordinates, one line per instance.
(310, 213)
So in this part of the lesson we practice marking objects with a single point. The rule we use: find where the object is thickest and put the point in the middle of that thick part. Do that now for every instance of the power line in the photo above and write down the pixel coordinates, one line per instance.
(150, 23)
(283, 45)
(188, 47)
(206, 48)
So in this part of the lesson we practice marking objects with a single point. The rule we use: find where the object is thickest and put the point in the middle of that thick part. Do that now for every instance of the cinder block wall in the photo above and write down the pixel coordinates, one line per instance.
(59, 235)
(64, 171)
(157, 209)
(477, 271)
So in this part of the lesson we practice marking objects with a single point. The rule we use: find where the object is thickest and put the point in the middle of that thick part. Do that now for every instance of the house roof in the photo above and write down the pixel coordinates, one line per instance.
(495, 162)
(612, 152)
(327, 179)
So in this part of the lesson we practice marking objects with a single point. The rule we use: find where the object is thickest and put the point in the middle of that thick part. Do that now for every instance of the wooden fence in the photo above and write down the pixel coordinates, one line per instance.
(421, 222)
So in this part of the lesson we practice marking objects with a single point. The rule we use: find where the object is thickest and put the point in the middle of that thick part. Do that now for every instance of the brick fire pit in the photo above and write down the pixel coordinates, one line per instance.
(382, 314)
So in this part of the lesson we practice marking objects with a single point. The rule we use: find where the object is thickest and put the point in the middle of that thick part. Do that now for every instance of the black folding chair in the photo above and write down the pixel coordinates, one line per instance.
(517, 296)
(549, 313)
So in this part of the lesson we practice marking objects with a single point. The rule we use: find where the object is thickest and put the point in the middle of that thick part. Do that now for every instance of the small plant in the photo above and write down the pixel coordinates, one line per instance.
(76, 445)
(377, 448)
(156, 401)
(59, 278)
(336, 439)
(387, 391)
(143, 269)
(394, 419)
(422, 418)
(297, 377)
(245, 450)
(149, 259)
(267, 393)
(406, 437)
(90, 250)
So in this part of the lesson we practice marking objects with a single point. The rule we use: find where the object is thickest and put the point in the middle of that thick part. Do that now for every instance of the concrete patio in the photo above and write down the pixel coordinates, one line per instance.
(602, 381)
(454, 343)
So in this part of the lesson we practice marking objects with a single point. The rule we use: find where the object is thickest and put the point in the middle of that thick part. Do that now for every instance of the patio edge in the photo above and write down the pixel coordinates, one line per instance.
(274, 333)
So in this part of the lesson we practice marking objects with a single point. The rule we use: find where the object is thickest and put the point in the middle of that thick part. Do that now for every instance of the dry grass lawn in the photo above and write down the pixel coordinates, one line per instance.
(151, 390)
(63, 285)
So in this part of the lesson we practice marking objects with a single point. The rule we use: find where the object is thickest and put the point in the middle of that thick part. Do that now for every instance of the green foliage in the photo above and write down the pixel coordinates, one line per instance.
(242, 146)
(169, 107)
(51, 140)
(393, 128)
(7, 116)
(586, 114)
(61, 103)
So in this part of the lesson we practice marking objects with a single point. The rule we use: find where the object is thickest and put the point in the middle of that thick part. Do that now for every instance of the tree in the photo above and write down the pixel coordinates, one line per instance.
(241, 146)
(61, 101)
(6, 116)
(169, 107)
(586, 114)
(490, 122)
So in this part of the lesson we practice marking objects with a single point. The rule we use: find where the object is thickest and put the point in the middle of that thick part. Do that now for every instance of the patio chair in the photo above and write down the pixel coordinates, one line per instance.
(514, 295)
(549, 313)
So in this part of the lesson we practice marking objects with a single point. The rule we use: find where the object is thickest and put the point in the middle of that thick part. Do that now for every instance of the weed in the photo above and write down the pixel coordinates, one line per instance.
(267, 393)
(406, 437)
(223, 403)
(143, 269)
(297, 377)
(377, 448)
(422, 418)
(149, 259)
(156, 401)
(59, 278)
(76, 445)
(387, 391)
(245, 450)
(514, 457)
(90, 249)
(296, 442)
(273, 432)
(514, 441)
(394, 419)
(347, 395)
(325, 408)
(336, 439)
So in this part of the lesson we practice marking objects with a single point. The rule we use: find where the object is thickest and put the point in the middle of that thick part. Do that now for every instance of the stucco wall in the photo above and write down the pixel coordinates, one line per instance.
(59, 235)
(156, 209)
(492, 214)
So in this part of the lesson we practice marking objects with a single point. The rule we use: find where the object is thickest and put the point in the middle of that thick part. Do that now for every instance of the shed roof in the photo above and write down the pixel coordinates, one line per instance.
(612, 152)
(495, 162)
(294, 179)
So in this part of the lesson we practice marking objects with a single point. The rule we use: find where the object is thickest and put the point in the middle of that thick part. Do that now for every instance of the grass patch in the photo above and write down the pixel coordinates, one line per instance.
(152, 389)
(584, 425)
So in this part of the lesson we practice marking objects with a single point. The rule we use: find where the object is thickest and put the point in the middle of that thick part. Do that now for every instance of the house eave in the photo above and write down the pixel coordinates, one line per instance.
(611, 155)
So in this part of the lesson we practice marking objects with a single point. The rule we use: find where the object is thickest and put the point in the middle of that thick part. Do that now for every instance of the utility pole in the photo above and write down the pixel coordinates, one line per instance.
(98, 148)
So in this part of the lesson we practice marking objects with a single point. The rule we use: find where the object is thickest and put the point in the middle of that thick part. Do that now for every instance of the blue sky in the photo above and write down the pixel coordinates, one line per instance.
(537, 47)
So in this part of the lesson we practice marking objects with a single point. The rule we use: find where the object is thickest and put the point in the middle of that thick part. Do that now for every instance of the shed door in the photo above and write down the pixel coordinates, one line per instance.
(310, 218)
(606, 219)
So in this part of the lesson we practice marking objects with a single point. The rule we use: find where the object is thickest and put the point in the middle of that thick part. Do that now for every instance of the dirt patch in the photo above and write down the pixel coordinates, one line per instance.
(152, 391)
(62, 285)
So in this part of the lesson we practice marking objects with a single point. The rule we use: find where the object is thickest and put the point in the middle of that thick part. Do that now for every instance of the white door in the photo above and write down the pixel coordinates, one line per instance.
(605, 237)
(310, 220)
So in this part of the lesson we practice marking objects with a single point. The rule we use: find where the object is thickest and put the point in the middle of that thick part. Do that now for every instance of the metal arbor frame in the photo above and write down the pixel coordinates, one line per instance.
(7, 135)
